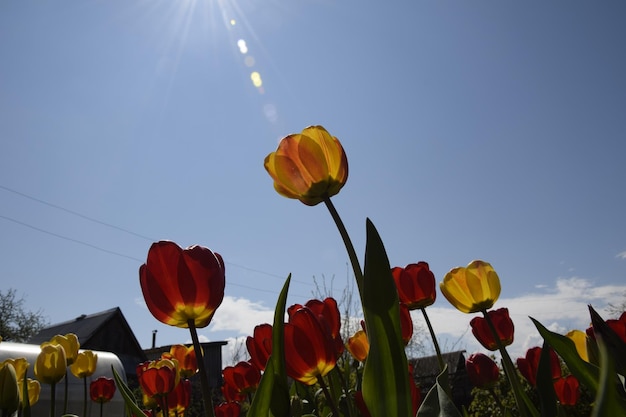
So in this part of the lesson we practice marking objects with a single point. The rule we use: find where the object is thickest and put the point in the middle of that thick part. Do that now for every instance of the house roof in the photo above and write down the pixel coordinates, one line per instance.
(83, 326)
(428, 366)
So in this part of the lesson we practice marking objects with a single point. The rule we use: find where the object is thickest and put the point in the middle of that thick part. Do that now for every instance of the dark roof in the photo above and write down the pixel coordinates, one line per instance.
(83, 326)
(428, 366)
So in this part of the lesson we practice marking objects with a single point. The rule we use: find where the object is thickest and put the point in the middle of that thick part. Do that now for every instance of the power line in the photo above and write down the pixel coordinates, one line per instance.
(75, 213)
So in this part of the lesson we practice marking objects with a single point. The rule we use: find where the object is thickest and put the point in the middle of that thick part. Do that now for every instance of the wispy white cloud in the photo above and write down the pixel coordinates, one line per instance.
(240, 315)
(621, 255)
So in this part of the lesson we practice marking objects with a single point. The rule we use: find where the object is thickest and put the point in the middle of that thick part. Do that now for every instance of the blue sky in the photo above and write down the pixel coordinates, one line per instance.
(474, 130)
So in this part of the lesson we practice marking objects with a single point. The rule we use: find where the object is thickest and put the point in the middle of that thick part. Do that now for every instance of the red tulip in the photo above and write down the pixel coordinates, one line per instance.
(309, 349)
(503, 324)
(102, 389)
(244, 377)
(618, 326)
(566, 389)
(482, 371)
(260, 345)
(406, 324)
(231, 394)
(182, 285)
(360, 404)
(528, 366)
(416, 285)
(186, 357)
(416, 394)
(327, 313)
(157, 378)
(228, 409)
(179, 399)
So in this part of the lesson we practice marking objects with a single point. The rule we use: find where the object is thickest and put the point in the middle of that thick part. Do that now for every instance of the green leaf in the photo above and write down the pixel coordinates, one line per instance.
(614, 344)
(437, 402)
(608, 403)
(127, 394)
(386, 389)
(545, 385)
(272, 395)
(586, 373)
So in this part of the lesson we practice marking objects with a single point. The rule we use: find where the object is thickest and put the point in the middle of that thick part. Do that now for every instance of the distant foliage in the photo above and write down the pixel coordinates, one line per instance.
(16, 323)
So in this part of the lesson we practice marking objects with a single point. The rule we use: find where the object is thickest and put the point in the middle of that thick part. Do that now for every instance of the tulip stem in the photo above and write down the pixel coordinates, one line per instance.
(354, 260)
(53, 398)
(333, 407)
(204, 380)
(65, 394)
(85, 396)
(510, 371)
(434, 338)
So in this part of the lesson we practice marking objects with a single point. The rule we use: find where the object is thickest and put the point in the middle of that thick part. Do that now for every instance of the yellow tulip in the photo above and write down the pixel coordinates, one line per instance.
(473, 288)
(580, 341)
(20, 365)
(70, 345)
(85, 364)
(50, 366)
(310, 166)
(34, 388)
(9, 390)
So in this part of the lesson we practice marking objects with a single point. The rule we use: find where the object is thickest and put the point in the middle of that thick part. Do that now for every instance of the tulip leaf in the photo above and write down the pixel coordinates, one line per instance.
(272, 395)
(585, 372)
(437, 402)
(608, 402)
(614, 344)
(545, 386)
(127, 394)
(386, 389)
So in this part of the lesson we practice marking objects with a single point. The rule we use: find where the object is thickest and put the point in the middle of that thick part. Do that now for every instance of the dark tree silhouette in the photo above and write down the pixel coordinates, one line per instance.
(16, 323)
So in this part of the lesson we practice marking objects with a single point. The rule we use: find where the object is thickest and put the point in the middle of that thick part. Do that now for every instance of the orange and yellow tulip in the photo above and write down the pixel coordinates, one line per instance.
(157, 378)
(186, 357)
(472, 288)
(415, 284)
(182, 285)
(358, 345)
(51, 365)
(309, 166)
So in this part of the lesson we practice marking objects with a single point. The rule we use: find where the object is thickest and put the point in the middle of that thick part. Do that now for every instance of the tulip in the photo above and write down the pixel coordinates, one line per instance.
(416, 285)
(528, 365)
(230, 393)
(157, 378)
(50, 365)
(102, 389)
(618, 326)
(70, 345)
(310, 166)
(327, 313)
(244, 377)
(186, 358)
(567, 391)
(406, 324)
(9, 389)
(482, 371)
(260, 345)
(179, 399)
(85, 364)
(358, 345)
(228, 409)
(34, 389)
(472, 288)
(502, 323)
(182, 285)
(309, 350)
(20, 365)
(580, 339)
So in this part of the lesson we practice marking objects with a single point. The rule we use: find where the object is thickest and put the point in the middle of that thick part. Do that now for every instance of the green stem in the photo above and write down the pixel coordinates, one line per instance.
(354, 260)
(65, 394)
(101, 407)
(85, 396)
(204, 379)
(53, 398)
(329, 398)
(434, 339)
(523, 403)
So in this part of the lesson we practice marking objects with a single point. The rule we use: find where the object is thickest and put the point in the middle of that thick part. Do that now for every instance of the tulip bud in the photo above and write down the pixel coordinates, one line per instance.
(482, 371)
(9, 389)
